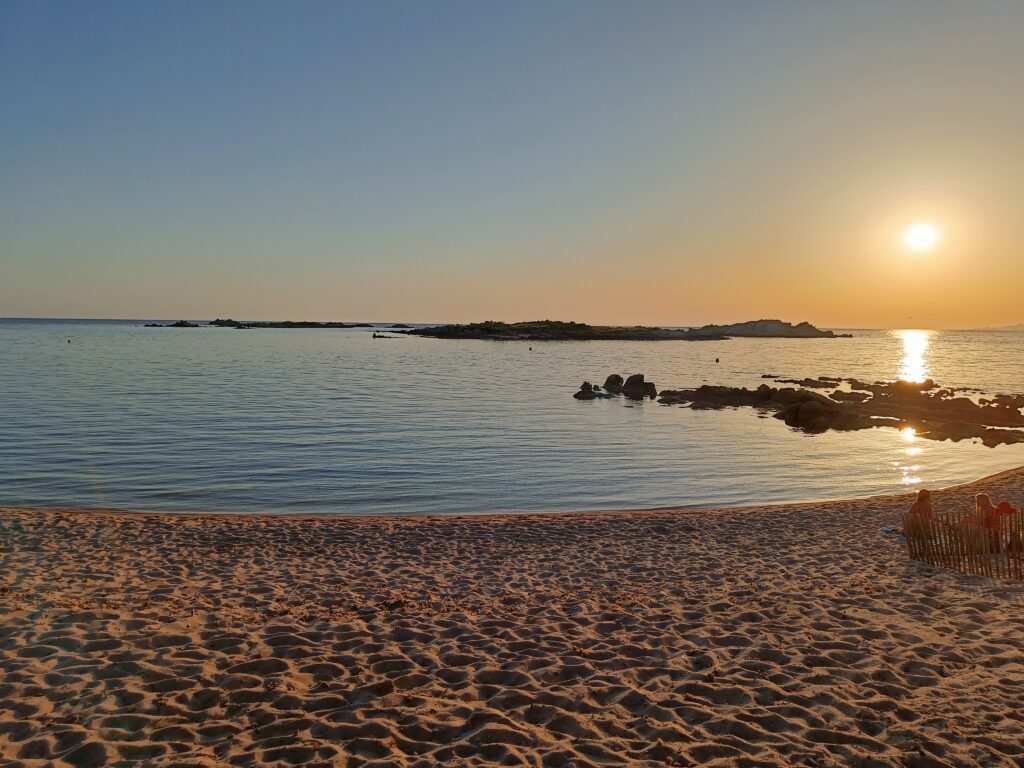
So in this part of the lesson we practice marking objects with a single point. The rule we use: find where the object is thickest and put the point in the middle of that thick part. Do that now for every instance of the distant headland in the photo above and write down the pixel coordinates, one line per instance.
(555, 330)
(218, 323)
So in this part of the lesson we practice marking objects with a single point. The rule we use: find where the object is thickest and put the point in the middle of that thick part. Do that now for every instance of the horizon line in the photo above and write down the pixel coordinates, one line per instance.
(389, 322)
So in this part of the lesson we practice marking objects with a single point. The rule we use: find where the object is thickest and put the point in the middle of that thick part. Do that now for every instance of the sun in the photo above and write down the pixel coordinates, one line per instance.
(921, 236)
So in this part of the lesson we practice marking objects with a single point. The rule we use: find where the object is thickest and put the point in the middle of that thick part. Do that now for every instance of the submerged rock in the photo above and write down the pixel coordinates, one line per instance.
(590, 391)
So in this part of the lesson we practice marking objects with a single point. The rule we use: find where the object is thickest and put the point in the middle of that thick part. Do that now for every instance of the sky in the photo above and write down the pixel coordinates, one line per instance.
(645, 163)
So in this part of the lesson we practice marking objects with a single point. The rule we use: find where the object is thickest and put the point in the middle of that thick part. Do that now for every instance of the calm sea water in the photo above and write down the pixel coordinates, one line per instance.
(334, 421)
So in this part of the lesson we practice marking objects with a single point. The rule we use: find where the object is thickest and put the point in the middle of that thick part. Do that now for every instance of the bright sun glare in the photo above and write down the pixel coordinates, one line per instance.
(914, 363)
(921, 237)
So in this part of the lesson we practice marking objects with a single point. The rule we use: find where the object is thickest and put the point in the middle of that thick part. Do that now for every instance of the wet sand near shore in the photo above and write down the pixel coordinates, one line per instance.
(786, 635)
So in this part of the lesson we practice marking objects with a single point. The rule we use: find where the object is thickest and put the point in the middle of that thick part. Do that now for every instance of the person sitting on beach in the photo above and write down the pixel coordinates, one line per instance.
(1013, 543)
(1006, 508)
(920, 511)
(923, 506)
(984, 512)
(988, 516)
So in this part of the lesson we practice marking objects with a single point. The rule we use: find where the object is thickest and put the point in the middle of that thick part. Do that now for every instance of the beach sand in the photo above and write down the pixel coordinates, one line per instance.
(784, 635)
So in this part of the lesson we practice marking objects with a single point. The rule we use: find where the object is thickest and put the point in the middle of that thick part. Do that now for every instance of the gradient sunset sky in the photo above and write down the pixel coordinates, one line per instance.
(652, 162)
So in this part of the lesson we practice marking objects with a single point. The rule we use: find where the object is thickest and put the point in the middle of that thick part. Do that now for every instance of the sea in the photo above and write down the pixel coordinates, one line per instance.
(111, 414)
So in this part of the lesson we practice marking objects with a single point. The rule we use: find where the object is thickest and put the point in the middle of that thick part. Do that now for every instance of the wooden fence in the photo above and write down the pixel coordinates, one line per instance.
(962, 542)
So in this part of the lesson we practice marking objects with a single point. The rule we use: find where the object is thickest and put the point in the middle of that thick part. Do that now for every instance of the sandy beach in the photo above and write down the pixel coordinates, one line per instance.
(785, 635)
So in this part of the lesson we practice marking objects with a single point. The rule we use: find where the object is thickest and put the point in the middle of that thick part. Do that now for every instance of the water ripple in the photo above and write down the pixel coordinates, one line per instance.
(314, 421)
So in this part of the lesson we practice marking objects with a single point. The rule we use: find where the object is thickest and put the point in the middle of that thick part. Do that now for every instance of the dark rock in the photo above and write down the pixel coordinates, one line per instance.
(811, 411)
(590, 391)
(809, 415)
(935, 413)
(586, 392)
(636, 388)
(1009, 401)
(613, 383)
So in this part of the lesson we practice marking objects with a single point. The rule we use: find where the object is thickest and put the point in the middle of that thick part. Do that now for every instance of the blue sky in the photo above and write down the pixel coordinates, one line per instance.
(608, 162)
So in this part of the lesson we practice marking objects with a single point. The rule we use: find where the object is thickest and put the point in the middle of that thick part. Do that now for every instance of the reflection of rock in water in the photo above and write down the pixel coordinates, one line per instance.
(935, 414)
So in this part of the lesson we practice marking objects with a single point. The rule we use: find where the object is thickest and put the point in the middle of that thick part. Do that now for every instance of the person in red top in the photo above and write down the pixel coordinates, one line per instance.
(1006, 508)
(989, 515)
(1013, 542)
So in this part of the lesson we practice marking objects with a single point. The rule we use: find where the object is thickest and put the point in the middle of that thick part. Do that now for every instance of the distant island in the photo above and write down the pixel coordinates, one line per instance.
(218, 323)
(179, 324)
(549, 330)
(555, 330)
(1017, 327)
(765, 329)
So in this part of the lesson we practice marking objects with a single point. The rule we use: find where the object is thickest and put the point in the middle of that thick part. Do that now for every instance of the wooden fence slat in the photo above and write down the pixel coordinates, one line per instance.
(959, 541)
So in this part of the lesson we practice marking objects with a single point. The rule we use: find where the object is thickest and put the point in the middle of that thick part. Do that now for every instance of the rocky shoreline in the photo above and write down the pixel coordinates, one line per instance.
(933, 413)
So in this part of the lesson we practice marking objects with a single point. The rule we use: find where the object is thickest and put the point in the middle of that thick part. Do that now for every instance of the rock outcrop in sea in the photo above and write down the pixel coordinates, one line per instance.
(636, 387)
(933, 413)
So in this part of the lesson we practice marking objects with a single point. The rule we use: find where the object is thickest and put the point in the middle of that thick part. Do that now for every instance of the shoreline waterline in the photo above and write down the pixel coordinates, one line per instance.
(682, 509)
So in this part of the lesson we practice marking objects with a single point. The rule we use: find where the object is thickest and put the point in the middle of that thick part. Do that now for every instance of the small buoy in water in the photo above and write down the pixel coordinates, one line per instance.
(531, 349)
(69, 341)
(716, 359)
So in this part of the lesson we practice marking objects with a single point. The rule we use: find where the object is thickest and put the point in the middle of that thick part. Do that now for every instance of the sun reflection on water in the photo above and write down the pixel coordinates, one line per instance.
(913, 364)
(913, 367)
(908, 472)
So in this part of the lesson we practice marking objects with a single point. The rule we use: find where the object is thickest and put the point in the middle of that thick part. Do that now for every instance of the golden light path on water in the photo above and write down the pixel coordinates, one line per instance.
(913, 367)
